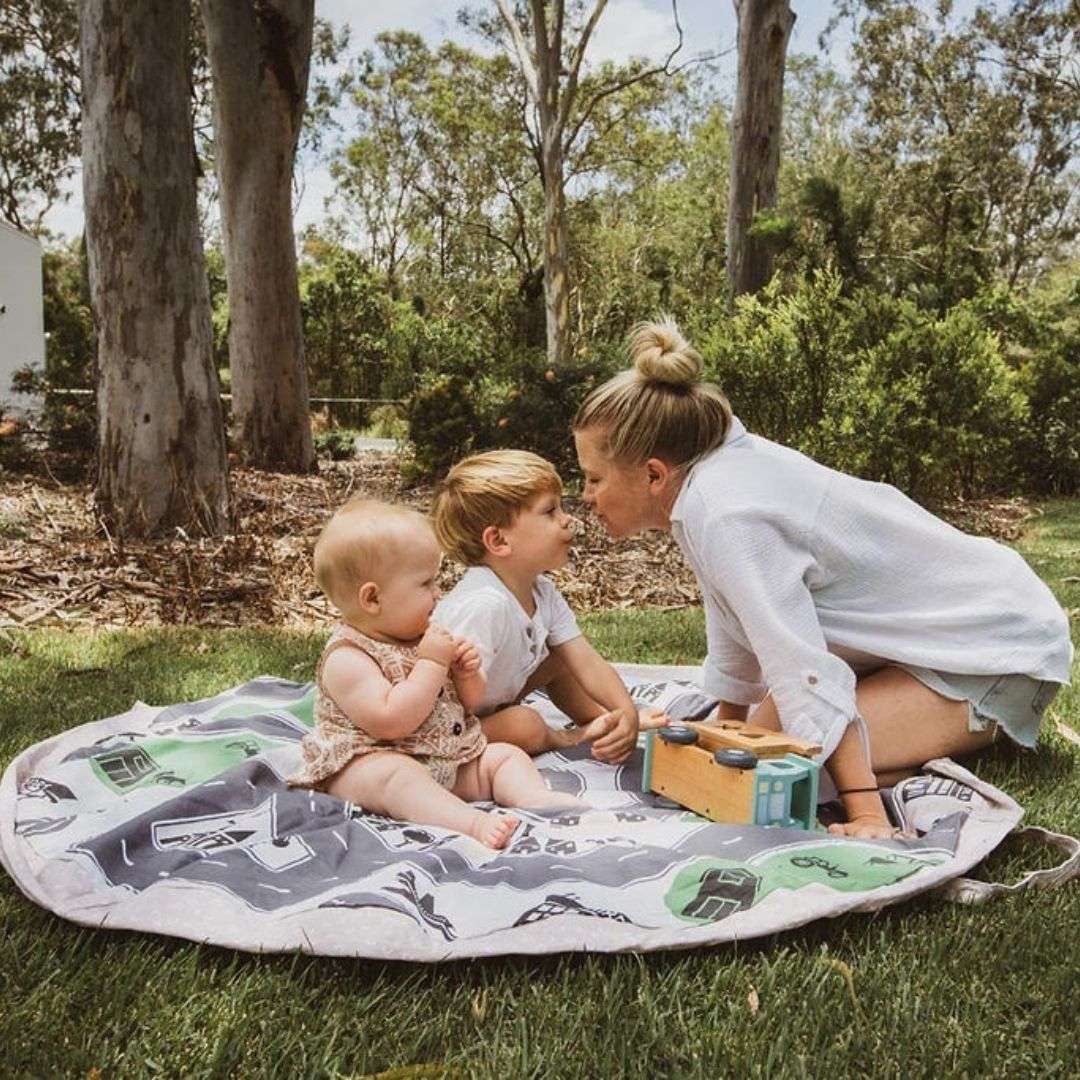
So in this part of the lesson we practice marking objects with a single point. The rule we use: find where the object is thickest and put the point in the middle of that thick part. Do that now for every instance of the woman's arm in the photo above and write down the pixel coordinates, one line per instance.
(854, 778)
(372, 703)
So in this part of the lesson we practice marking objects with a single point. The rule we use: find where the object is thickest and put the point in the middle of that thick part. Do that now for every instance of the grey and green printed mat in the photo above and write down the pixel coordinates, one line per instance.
(178, 821)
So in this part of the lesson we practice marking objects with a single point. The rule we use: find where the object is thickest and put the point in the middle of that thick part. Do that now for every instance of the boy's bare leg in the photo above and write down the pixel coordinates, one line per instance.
(507, 775)
(523, 726)
(386, 782)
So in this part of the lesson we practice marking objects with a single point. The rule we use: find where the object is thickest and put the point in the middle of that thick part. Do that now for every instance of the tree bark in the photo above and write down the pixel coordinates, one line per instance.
(161, 443)
(260, 56)
(764, 28)
(553, 88)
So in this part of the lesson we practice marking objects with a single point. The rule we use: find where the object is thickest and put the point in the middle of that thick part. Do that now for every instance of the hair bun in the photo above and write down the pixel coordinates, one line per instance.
(660, 354)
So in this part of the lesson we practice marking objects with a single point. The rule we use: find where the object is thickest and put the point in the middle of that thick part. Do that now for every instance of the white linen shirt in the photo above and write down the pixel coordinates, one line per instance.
(511, 644)
(808, 574)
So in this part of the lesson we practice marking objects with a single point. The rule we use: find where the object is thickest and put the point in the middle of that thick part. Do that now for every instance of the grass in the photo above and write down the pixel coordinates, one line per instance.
(922, 989)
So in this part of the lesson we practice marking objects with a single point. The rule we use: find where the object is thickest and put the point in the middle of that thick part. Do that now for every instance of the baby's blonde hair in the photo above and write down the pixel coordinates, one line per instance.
(487, 489)
(356, 545)
(659, 407)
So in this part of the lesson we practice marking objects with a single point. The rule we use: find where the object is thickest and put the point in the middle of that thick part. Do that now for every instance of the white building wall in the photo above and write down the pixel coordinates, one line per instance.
(22, 331)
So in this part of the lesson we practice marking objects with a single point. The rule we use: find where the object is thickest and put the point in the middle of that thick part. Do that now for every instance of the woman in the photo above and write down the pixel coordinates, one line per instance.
(843, 611)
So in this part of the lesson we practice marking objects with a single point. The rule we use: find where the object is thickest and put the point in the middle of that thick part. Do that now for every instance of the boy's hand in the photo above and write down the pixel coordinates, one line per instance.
(466, 658)
(618, 744)
(437, 644)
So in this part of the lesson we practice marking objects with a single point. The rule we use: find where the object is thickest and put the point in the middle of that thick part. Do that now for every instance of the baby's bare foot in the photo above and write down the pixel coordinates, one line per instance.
(494, 830)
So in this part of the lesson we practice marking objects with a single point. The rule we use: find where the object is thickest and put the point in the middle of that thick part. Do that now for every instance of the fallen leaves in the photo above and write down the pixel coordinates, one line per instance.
(60, 565)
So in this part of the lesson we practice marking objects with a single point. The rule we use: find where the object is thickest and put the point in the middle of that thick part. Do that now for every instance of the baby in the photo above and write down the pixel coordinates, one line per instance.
(391, 734)
(500, 513)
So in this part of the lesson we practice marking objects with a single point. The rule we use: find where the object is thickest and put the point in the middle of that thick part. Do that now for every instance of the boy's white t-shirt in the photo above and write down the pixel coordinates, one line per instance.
(511, 645)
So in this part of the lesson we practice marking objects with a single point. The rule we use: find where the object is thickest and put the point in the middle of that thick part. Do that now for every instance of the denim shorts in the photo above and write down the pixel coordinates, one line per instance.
(1015, 703)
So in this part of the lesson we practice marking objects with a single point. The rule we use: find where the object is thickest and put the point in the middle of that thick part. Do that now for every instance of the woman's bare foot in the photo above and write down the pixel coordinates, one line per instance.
(494, 830)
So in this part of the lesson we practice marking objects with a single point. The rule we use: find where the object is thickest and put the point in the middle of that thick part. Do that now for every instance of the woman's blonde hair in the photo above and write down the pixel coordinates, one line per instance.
(659, 407)
(488, 489)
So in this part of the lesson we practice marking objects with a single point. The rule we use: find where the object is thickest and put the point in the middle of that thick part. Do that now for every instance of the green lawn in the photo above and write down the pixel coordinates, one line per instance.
(923, 989)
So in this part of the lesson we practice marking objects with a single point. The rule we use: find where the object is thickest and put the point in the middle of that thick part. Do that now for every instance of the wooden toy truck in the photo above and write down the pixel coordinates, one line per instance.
(734, 772)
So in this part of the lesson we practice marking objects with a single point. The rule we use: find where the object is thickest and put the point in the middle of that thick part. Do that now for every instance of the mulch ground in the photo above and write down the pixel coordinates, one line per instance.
(60, 567)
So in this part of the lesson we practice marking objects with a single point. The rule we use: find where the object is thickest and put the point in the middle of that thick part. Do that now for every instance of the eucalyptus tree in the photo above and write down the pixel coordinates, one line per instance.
(969, 131)
(260, 56)
(161, 445)
(39, 107)
(764, 29)
(549, 40)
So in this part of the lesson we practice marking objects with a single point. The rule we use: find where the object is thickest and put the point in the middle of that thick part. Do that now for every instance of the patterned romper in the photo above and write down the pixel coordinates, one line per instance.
(446, 739)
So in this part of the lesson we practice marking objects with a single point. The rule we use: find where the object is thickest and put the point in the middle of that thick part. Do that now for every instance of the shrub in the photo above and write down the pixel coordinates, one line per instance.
(336, 443)
(1048, 445)
(443, 426)
(872, 385)
(931, 407)
(387, 422)
(538, 404)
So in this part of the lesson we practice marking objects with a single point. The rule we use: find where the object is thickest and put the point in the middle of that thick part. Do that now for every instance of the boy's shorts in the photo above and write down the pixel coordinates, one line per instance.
(1015, 703)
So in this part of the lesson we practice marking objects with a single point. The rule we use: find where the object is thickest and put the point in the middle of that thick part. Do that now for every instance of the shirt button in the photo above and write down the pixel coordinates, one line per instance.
(812, 680)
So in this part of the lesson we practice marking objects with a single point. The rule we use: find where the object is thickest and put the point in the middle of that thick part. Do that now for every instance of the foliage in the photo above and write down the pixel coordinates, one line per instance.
(539, 404)
(39, 106)
(443, 426)
(338, 443)
(1048, 449)
(872, 385)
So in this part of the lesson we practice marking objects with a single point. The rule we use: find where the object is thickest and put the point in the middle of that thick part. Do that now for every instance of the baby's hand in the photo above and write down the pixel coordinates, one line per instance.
(466, 658)
(437, 644)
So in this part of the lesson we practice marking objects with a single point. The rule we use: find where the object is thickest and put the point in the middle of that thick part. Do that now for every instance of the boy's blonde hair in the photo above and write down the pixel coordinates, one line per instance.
(488, 489)
(357, 545)
(659, 407)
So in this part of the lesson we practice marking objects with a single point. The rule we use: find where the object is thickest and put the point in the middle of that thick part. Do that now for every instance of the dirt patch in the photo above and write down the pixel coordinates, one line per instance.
(59, 566)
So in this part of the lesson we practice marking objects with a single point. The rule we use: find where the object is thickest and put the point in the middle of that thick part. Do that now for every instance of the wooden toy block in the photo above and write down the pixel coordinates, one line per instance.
(758, 740)
(712, 770)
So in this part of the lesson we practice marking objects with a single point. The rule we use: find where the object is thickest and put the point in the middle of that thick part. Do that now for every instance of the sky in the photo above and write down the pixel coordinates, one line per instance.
(627, 28)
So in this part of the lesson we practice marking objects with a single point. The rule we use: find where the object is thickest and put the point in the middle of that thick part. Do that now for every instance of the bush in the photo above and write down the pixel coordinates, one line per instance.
(872, 385)
(337, 443)
(443, 425)
(537, 406)
(1048, 444)
(387, 422)
(931, 407)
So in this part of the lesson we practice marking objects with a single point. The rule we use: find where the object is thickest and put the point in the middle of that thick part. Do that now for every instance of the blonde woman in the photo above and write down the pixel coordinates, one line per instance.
(835, 608)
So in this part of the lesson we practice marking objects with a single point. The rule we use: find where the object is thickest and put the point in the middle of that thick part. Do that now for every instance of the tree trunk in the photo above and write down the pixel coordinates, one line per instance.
(763, 34)
(161, 443)
(260, 54)
(556, 270)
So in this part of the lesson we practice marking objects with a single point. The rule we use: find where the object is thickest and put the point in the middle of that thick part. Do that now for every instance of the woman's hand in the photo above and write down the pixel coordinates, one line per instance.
(869, 827)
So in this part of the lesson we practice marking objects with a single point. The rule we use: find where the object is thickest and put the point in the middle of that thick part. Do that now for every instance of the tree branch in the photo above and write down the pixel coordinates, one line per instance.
(521, 48)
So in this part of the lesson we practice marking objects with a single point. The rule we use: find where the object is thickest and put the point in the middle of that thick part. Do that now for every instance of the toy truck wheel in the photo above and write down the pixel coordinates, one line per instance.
(676, 733)
(736, 759)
